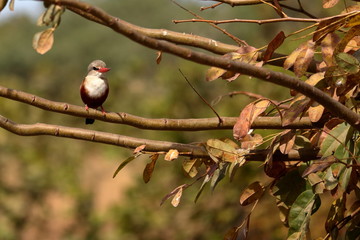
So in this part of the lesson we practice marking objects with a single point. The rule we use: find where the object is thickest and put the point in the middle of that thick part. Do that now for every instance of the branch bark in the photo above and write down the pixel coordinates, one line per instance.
(193, 124)
(195, 151)
(278, 78)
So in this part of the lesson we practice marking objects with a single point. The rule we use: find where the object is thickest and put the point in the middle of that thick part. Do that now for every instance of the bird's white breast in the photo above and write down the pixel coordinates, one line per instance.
(95, 86)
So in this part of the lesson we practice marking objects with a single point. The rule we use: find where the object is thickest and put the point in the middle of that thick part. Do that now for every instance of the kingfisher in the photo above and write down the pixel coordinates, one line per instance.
(94, 89)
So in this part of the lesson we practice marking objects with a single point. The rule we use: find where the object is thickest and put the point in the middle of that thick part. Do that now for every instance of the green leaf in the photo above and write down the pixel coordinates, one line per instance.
(218, 175)
(300, 212)
(286, 193)
(123, 164)
(347, 62)
(206, 180)
(332, 141)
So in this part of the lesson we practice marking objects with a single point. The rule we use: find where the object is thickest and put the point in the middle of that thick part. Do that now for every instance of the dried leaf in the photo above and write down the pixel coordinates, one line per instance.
(287, 140)
(232, 234)
(350, 34)
(314, 79)
(329, 3)
(304, 58)
(43, 41)
(290, 60)
(250, 142)
(214, 73)
(328, 26)
(319, 165)
(316, 111)
(171, 155)
(158, 57)
(328, 45)
(297, 107)
(190, 166)
(173, 192)
(176, 199)
(221, 150)
(252, 193)
(273, 45)
(248, 116)
(3, 4)
(149, 168)
(139, 149)
(353, 21)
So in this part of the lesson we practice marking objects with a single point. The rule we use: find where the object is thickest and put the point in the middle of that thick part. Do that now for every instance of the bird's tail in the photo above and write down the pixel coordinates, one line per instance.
(89, 121)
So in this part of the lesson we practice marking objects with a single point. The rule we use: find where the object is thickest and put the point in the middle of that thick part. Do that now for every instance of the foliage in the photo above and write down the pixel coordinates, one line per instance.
(302, 165)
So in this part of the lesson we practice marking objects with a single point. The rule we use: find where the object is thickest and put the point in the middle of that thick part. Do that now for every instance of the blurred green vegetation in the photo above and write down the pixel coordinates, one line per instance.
(52, 188)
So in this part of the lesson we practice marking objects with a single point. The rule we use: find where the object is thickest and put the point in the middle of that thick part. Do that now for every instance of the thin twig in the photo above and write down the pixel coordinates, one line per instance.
(237, 40)
(203, 99)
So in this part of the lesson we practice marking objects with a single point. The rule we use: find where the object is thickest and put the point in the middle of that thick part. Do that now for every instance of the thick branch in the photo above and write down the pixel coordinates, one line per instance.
(195, 151)
(100, 137)
(192, 124)
(278, 78)
(192, 40)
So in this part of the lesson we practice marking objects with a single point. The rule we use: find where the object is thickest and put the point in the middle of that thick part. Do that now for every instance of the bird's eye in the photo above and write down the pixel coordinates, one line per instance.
(95, 68)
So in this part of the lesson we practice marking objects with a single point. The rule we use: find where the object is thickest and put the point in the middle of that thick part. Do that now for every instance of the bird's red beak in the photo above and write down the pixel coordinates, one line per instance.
(103, 70)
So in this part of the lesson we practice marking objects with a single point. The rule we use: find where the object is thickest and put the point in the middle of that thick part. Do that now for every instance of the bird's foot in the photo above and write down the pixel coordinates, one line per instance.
(103, 110)
(86, 107)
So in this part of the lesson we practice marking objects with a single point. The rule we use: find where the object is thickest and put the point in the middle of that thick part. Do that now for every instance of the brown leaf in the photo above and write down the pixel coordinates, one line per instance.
(158, 57)
(304, 58)
(328, 45)
(353, 21)
(252, 193)
(248, 116)
(232, 234)
(290, 60)
(150, 168)
(316, 111)
(173, 192)
(139, 149)
(329, 3)
(328, 26)
(171, 155)
(287, 140)
(319, 165)
(190, 166)
(297, 108)
(214, 73)
(273, 45)
(276, 169)
(176, 199)
(352, 33)
(250, 142)
(43, 41)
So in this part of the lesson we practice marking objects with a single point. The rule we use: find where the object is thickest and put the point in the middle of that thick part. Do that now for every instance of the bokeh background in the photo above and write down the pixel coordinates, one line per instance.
(54, 188)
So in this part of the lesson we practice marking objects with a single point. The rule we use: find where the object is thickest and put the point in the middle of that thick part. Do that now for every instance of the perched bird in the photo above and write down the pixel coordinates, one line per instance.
(94, 89)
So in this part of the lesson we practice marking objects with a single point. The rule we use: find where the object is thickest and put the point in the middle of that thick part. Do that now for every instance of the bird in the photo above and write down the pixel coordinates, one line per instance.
(94, 89)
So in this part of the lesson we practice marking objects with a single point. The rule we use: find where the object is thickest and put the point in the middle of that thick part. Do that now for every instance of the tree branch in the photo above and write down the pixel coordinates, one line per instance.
(195, 151)
(278, 78)
(242, 2)
(192, 40)
(191, 124)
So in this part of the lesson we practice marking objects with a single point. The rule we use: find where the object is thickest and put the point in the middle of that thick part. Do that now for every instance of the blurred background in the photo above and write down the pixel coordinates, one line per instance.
(54, 188)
